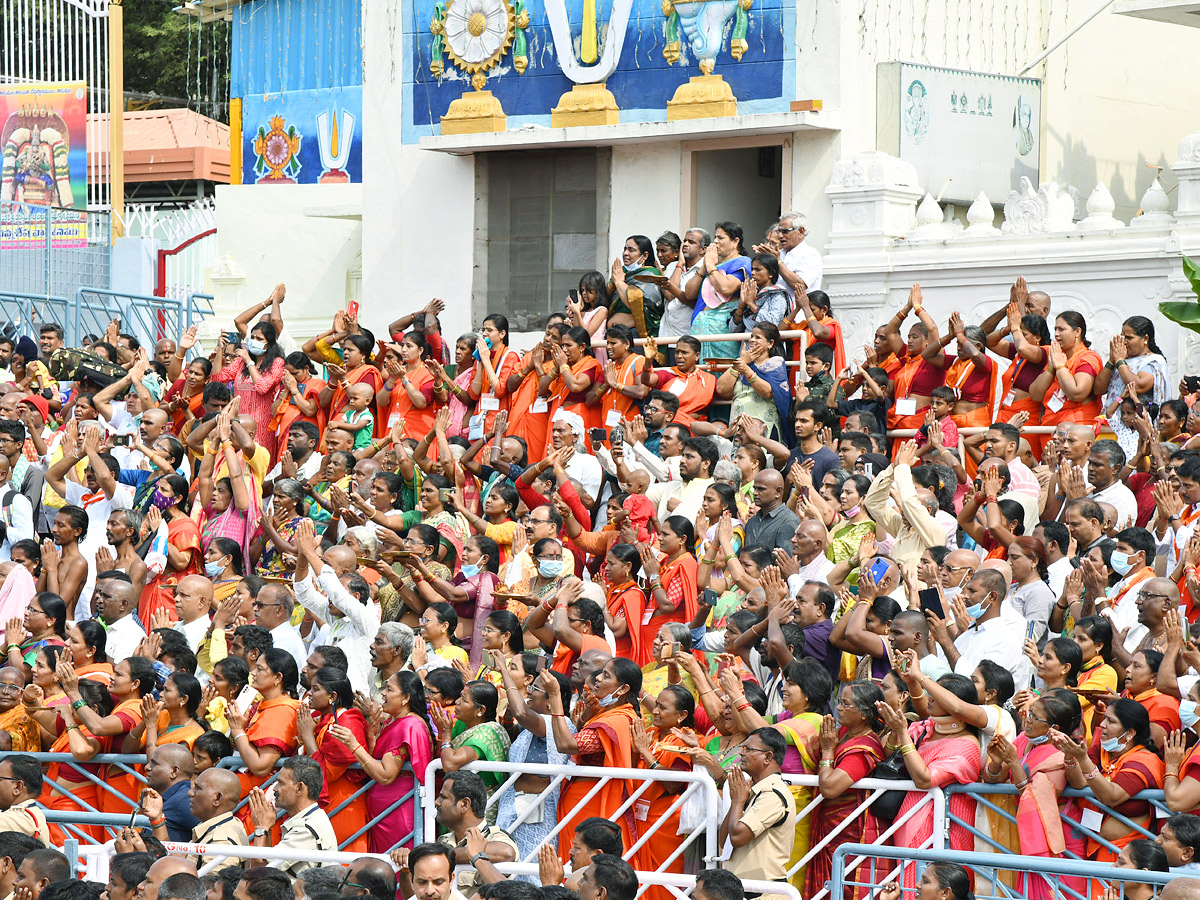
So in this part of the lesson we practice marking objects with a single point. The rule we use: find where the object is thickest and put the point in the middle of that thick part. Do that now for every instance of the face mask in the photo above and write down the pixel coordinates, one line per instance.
(1038, 741)
(469, 570)
(1120, 563)
(1112, 745)
(213, 569)
(977, 610)
(1188, 713)
(610, 700)
(951, 592)
(852, 512)
(550, 568)
(255, 347)
(161, 500)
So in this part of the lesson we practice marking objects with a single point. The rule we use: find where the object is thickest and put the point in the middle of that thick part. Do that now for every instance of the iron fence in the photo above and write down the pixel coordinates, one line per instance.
(51, 252)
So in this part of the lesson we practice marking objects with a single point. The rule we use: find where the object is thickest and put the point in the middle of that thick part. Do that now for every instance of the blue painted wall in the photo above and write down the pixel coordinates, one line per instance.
(299, 110)
(642, 84)
(295, 45)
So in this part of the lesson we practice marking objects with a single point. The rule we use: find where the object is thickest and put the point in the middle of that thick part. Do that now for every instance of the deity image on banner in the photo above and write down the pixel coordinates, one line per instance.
(277, 151)
(35, 171)
(335, 136)
(599, 43)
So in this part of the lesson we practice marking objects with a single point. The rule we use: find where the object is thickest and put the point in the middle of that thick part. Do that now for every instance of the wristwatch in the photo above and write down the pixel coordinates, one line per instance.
(260, 832)
(480, 855)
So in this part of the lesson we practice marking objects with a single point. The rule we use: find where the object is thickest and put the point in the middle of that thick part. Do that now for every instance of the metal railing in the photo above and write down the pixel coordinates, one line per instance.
(52, 252)
(986, 868)
(149, 319)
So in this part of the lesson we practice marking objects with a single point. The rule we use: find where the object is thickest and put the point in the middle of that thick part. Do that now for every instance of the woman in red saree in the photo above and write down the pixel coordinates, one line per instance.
(820, 326)
(407, 737)
(605, 739)
(672, 581)
(571, 379)
(185, 398)
(917, 376)
(937, 751)
(1038, 770)
(330, 701)
(300, 399)
(355, 369)
(971, 374)
(267, 730)
(626, 612)
(184, 554)
(1120, 763)
(407, 392)
(1065, 387)
(662, 748)
(848, 754)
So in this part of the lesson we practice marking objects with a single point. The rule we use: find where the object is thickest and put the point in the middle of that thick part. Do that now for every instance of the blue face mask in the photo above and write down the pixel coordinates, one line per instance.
(550, 568)
(1120, 563)
(1112, 745)
(610, 700)
(1188, 714)
(213, 569)
(255, 347)
(469, 570)
(1038, 741)
(977, 610)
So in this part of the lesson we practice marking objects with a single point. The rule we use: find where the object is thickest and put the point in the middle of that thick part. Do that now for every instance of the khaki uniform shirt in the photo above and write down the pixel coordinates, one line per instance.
(224, 828)
(468, 879)
(770, 814)
(309, 829)
(26, 818)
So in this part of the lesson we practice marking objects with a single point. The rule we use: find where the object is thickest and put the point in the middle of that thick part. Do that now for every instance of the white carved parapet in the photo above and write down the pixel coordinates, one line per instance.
(1187, 171)
(1048, 209)
(1100, 206)
(981, 217)
(932, 224)
(874, 197)
(1155, 209)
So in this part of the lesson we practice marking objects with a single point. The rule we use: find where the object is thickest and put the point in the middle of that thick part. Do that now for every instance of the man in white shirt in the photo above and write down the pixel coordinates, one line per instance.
(1104, 466)
(799, 263)
(685, 496)
(16, 510)
(808, 545)
(1133, 560)
(301, 459)
(1057, 540)
(344, 602)
(992, 635)
(116, 603)
(567, 431)
(273, 611)
(193, 600)
(1174, 524)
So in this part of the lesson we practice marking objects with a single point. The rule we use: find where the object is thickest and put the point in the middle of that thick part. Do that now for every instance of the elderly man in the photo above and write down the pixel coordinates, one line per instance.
(566, 430)
(808, 559)
(913, 525)
(540, 522)
(116, 602)
(344, 602)
(391, 651)
(273, 611)
(214, 794)
(800, 264)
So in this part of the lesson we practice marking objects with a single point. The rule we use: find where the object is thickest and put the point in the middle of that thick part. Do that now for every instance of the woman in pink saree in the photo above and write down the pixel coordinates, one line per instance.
(939, 751)
(1037, 768)
(406, 740)
(455, 392)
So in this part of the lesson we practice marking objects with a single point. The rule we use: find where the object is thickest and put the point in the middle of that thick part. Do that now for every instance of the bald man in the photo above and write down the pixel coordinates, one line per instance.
(1181, 889)
(808, 550)
(160, 871)
(169, 774)
(774, 525)
(912, 520)
(341, 559)
(1158, 599)
(1076, 449)
(116, 601)
(957, 569)
(193, 600)
(214, 794)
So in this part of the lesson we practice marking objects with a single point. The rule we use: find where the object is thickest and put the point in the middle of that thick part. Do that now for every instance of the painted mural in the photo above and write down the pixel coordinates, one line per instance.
(303, 137)
(526, 58)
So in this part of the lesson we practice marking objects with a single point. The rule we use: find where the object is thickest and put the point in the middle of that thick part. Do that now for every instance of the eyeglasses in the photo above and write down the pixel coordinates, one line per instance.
(534, 689)
(1030, 715)
(787, 230)
(573, 621)
(748, 749)
(1149, 596)
(258, 604)
(9, 689)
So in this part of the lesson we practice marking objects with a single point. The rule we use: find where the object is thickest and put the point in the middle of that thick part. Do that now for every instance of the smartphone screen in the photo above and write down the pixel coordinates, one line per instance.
(599, 435)
(931, 601)
(574, 295)
(352, 309)
(878, 570)
(709, 597)
(1030, 630)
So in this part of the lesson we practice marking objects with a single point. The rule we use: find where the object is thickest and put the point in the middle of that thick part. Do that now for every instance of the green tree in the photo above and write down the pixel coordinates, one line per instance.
(172, 59)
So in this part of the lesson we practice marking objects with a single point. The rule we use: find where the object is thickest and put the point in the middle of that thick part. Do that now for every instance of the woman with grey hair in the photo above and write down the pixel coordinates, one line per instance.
(279, 530)
(361, 539)
(673, 639)
(726, 471)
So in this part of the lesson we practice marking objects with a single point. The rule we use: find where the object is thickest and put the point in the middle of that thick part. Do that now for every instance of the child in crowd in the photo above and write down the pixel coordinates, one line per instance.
(818, 362)
(941, 405)
(358, 418)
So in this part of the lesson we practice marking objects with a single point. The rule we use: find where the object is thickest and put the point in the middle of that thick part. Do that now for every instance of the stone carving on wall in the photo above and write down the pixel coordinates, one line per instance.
(1048, 209)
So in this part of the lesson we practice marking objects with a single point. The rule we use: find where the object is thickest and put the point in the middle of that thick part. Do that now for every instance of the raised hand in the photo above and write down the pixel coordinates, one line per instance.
(1058, 356)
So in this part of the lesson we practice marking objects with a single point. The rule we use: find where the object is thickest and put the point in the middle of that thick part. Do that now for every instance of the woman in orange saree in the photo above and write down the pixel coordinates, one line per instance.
(185, 398)
(578, 372)
(848, 754)
(686, 380)
(917, 376)
(408, 387)
(529, 407)
(661, 748)
(330, 702)
(1027, 348)
(1120, 763)
(1065, 387)
(86, 642)
(184, 554)
(355, 369)
(673, 588)
(973, 376)
(267, 730)
(820, 326)
(605, 740)
(626, 613)
(1038, 770)
(175, 719)
(622, 386)
(300, 399)
(75, 738)
(489, 383)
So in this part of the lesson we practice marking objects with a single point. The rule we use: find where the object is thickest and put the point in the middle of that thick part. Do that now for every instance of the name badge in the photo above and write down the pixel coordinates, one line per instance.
(540, 405)
(1010, 398)
(489, 403)
(1055, 403)
(647, 615)
(1091, 820)
(475, 426)
(641, 810)
(613, 418)
(906, 406)
(677, 387)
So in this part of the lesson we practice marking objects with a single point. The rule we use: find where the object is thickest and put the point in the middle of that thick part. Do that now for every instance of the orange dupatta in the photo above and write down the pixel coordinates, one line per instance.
(624, 597)
(1070, 410)
(101, 672)
(523, 422)
(684, 567)
(364, 374)
(957, 376)
(695, 391)
(417, 422)
(614, 728)
(837, 342)
(613, 400)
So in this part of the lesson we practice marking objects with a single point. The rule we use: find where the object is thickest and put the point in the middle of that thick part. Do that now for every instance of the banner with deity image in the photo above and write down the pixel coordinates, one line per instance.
(303, 137)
